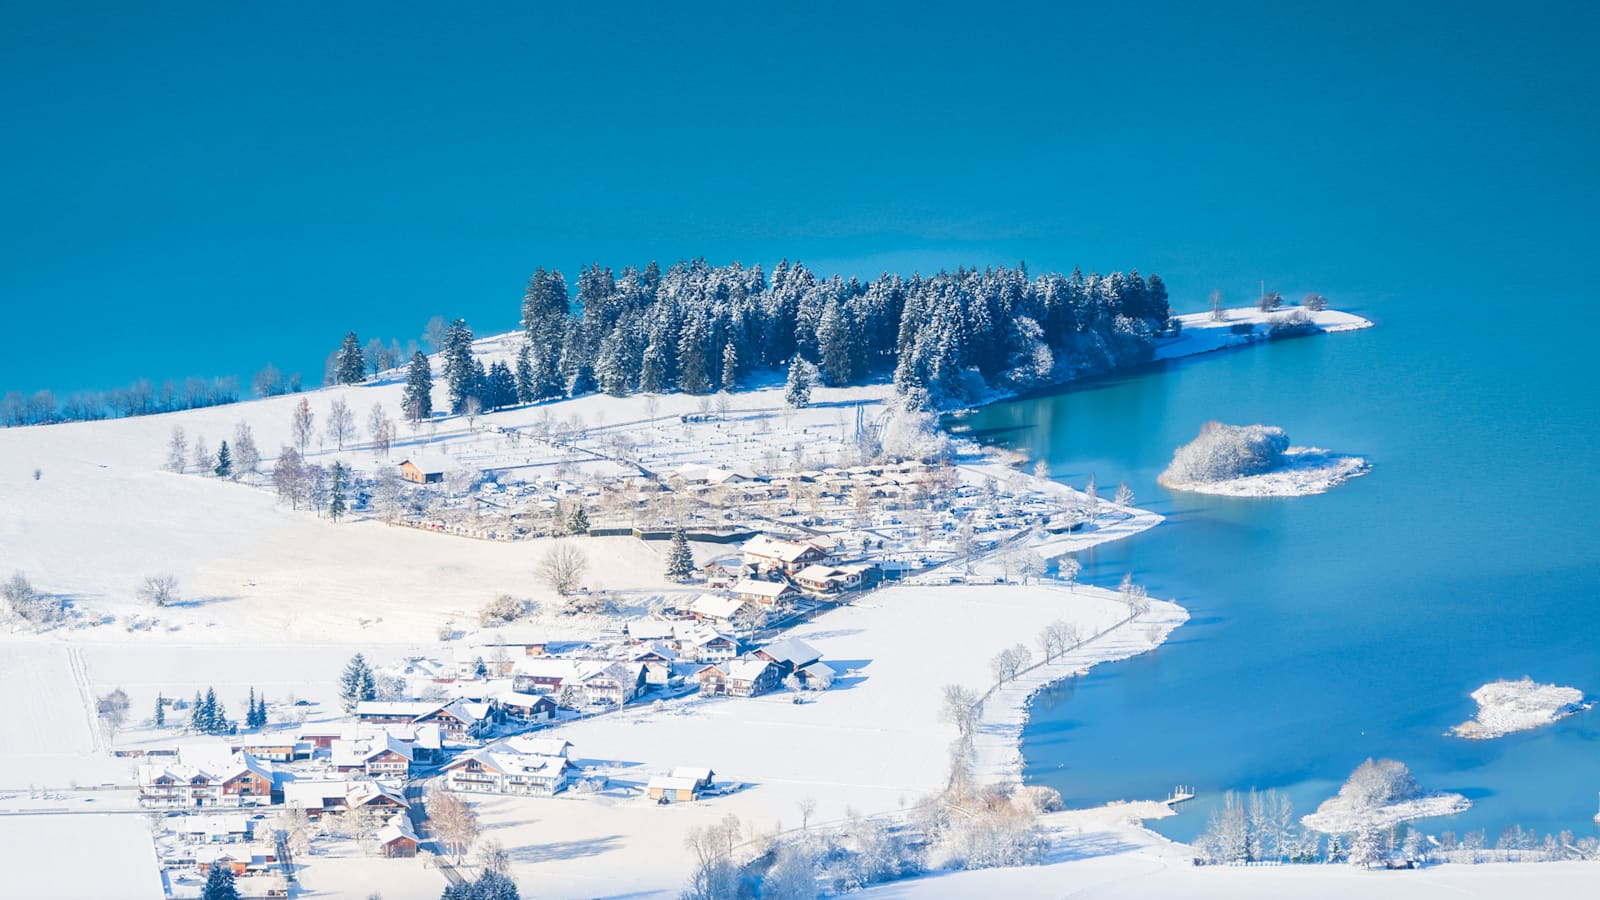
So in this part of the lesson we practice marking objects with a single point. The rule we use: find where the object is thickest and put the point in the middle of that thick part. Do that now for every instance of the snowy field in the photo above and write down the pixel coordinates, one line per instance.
(1506, 707)
(78, 857)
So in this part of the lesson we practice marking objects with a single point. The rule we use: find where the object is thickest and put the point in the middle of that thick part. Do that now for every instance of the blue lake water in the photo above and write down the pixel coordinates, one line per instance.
(1331, 628)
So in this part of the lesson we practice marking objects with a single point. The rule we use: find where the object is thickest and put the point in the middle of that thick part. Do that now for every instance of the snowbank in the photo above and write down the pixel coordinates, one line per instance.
(1506, 706)
(1302, 472)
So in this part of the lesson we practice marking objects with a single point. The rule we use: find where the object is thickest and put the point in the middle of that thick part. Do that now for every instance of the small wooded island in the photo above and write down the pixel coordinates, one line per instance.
(1256, 461)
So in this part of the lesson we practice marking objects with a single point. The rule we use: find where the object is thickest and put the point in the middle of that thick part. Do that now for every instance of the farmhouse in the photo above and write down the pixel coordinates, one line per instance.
(502, 770)
(457, 719)
(743, 677)
(397, 839)
(375, 796)
(527, 708)
(425, 740)
(788, 654)
(243, 862)
(227, 829)
(593, 681)
(657, 660)
(672, 789)
(381, 756)
(775, 554)
(817, 676)
(422, 470)
(706, 645)
(719, 610)
(821, 579)
(766, 593)
(645, 631)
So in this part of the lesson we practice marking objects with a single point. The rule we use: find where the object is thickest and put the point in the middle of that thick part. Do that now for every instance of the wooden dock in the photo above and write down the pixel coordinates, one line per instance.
(1180, 794)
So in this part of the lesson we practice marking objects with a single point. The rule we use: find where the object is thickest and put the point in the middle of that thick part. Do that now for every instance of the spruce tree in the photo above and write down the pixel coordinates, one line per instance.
(798, 391)
(160, 717)
(351, 367)
(524, 375)
(578, 521)
(209, 712)
(680, 559)
(730, 367)
(219, 884)
(356, 684)
(337, 490)
(224, 467)
(197, 711)
(250, 709)
(417, 400)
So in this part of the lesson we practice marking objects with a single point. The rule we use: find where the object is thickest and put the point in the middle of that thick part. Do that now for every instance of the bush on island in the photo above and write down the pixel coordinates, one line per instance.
(1222, 452)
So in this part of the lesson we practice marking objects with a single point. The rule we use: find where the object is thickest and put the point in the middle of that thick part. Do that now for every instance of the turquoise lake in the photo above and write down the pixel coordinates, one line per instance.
(1331, 628)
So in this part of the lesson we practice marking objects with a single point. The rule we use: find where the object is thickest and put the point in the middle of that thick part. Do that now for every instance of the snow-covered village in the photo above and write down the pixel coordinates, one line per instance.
(434, 464)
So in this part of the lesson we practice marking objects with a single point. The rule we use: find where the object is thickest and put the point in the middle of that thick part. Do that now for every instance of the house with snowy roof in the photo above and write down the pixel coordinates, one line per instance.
(672, 789)
(706, 644)
(457, 719)
(397, 839)
(768, 553)
(236, 780)
(746, 676)
(424, 468)
(501, 769)
(788, 654)
(765, 593)
(717, 609)
(378, 756)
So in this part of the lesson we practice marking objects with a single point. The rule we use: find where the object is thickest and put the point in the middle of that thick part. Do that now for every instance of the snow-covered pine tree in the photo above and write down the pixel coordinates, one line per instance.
(224, 467)
(417, 400)
(578, 521)
(610, 367)
(351, 367)
(338, 489)
(680, 559)
(197, 713)
(357, 683)
(219, 884)
(210, 713)
(730, 366)
(160, 717)
(250, 709)
(797, 392)
(524, 375)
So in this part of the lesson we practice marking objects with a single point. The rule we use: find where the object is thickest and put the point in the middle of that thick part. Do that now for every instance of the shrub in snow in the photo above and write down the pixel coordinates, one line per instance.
(1222, 452)
(500, 610)
(914, 434)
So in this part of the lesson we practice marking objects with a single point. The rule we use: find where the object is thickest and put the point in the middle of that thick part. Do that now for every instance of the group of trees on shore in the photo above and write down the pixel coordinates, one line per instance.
(699, 329)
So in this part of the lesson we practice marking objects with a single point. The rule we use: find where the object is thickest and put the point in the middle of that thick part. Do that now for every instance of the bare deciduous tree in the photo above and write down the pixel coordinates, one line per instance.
(159, 590)
(177, 451)
(112, 711)
(301, 423)
(454, 820)
(381, 428)
(341, 423)
(246, 456)
(562, 567)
